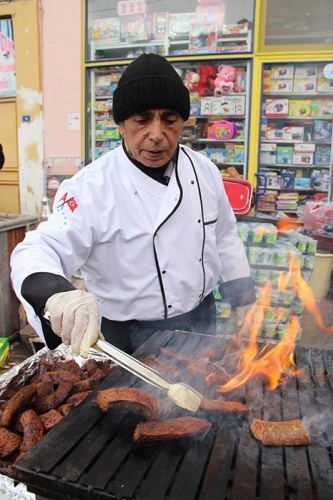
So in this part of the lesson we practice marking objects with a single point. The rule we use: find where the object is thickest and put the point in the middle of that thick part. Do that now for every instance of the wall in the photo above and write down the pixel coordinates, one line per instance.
(61, 24)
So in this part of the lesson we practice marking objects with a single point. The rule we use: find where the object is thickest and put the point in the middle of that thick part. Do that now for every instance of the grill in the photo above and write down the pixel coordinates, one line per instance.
(90, 455)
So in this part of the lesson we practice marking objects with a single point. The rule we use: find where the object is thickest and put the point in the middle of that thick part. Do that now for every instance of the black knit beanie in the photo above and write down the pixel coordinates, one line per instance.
(150, 82)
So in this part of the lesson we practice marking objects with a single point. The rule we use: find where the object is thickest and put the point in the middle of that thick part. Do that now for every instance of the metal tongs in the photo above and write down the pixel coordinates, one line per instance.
(181, 394)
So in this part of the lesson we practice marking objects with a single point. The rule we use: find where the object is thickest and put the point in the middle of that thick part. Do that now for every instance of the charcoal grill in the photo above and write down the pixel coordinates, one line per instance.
(90, 455)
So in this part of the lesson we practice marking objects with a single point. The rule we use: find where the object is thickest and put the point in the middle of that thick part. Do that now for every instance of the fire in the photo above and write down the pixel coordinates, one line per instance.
(273, 363)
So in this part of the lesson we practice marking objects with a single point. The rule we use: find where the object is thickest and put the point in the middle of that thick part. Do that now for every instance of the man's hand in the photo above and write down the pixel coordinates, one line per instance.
(241, 313)
(74, 316)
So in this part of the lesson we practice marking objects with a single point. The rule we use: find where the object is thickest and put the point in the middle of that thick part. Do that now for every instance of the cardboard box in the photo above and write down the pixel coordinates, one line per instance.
(303, 158)
(267, 157)
(305, 85)
(322, 107)
(293, 133)
(281, 86)
(135, 28)
(322, 130)
(322, 155)
(284, 155)
(282, 71)
(287, 179)
(304, 147)
(180, 25)
(324, 85)
(274, 133)
(224, 105)
(106, 29)
(302, 182)
(268, 146)
(305, 72)
(276, 107)
(300, 108)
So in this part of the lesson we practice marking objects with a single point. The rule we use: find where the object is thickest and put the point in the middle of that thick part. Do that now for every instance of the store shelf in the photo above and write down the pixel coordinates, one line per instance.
(296, 132)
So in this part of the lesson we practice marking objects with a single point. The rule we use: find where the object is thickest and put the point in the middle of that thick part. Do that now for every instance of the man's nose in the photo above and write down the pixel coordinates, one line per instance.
(156, 131)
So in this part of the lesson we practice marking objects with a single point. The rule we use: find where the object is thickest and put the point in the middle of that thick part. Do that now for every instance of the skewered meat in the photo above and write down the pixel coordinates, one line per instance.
(17, 403)
(33, 430)
(285, 433)
(218, 405)
(175, 428)
(9, 442)
(130, 399)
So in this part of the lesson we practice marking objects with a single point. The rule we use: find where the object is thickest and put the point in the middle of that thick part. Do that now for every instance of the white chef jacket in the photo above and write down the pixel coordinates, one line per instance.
(146, 250)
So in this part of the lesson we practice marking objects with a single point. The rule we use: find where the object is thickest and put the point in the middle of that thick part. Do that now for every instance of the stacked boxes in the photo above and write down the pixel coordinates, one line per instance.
(269, 256)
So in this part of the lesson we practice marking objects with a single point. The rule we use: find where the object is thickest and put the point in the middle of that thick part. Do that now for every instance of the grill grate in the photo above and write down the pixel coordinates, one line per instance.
(90, 455)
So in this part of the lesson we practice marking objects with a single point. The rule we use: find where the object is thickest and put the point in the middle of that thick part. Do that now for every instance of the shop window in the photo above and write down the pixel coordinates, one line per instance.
(297, 25)
(127, 28)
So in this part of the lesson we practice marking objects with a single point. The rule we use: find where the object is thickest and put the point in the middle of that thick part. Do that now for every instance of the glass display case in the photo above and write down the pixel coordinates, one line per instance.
(295, 157)
(217, 127)
(125, 29)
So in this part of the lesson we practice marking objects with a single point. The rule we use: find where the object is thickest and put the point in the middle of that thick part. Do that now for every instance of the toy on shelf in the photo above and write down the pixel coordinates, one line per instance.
(192, 80)
(207, 74)
(225, 80)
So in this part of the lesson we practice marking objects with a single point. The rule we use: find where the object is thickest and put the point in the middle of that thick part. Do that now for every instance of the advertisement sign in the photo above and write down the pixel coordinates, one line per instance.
(7, 59)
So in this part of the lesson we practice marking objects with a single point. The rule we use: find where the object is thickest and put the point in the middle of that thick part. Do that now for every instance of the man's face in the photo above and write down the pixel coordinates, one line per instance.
(151, 137)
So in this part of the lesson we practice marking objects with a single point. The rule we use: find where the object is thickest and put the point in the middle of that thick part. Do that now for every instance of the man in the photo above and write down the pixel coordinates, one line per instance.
(148, 224)
(2, 157)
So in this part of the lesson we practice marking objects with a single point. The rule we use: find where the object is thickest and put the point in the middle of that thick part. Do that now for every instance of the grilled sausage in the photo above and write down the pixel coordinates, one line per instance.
(217, 405)
(50, 419)
(175, 428)
(285, 433)
(43, 405)
(33, 430)
(130, 399)
(77, 398)
(9, 442)
(89, 383)
(17, 403)
(60, 375)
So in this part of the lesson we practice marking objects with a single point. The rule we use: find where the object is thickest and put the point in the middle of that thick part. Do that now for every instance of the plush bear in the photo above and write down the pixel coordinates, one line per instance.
(207, 74)
(192, 80)
(225, 80)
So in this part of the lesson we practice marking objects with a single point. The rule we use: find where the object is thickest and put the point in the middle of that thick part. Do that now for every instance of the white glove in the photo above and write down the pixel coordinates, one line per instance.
(241, 313)
(74, 316)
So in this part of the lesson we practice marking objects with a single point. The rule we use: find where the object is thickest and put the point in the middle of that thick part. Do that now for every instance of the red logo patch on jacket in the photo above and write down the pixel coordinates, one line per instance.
(71, 202)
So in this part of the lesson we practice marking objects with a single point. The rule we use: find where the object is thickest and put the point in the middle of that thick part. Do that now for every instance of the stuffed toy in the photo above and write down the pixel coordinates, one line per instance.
(207, 74)
(192, 80)
(225, 80)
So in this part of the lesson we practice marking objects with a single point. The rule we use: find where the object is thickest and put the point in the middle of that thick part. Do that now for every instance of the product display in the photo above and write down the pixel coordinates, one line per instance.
(218, 122)
(269, 255)
(139, 28)
(296, 135)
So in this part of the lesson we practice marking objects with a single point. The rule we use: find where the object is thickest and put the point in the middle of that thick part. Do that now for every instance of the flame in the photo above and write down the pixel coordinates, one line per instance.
(270, 363)
(273, 363)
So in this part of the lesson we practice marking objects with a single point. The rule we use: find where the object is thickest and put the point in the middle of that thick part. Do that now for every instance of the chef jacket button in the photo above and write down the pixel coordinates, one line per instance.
(200, 259)
(169, 306)
(192, 182)
(199, 221)
(163, 272)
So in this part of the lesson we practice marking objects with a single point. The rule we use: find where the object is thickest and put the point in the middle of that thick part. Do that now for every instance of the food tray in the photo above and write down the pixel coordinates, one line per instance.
(325, 242)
